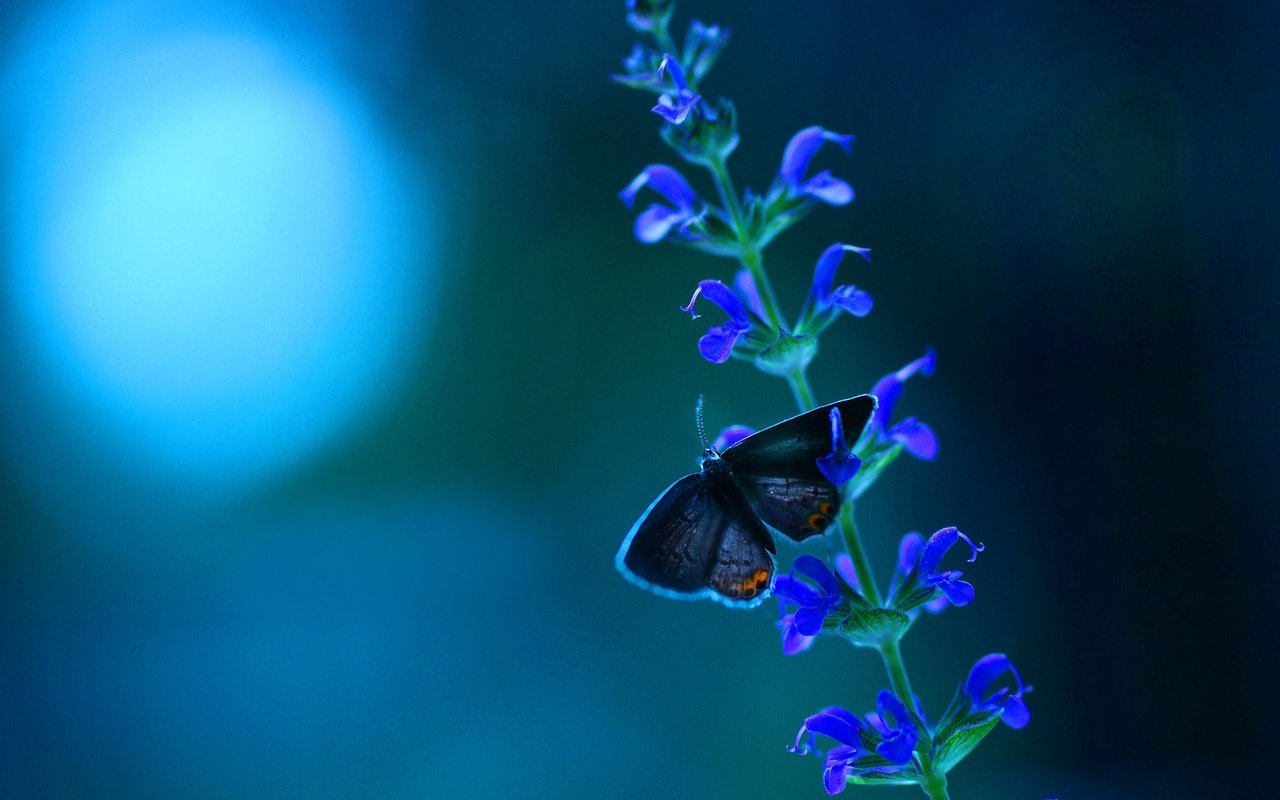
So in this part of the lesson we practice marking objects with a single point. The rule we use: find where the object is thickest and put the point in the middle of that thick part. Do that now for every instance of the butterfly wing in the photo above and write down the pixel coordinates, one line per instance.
(777, 468)
(692, 543)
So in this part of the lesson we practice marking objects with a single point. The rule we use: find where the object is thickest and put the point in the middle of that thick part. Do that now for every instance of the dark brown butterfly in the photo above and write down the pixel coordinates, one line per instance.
(708, 534)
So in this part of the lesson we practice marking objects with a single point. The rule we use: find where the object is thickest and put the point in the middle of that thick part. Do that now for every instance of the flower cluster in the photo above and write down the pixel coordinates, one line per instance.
(838, 597)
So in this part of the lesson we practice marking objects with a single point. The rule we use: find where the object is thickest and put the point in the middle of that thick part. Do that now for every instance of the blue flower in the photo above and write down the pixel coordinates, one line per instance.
(641, 70)
(917, 437)
(825, 295)
(814, 601)
(795, 162)
(1005, 699)
(897, 731)
(702, 46)
(655, 222)
(908, 556)
(924, 558)
(857, 739)
(675, 108)
(840, 464)
(842, 726)
(645, 15)
(719, 340)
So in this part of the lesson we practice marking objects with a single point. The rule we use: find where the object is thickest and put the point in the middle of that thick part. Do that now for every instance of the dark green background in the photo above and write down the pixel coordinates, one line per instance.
(1073, 202)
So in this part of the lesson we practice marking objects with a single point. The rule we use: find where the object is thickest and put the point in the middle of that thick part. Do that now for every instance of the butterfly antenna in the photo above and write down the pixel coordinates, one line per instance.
(702, 428)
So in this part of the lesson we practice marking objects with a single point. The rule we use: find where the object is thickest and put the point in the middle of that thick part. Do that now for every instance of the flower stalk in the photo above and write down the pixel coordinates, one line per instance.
(897, 743)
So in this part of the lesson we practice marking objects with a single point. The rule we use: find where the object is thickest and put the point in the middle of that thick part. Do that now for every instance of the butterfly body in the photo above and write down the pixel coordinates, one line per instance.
(709, 534)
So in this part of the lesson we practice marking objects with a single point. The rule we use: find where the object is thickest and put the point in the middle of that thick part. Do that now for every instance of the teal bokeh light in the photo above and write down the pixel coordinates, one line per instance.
(210, 268)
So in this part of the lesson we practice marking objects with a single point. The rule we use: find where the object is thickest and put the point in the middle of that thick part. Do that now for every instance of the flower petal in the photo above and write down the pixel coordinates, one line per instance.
(676, 111)
(722, 296)
(731, 436)
(938, 545)
(909, 551)
(828, 188)
(809, 619)
(793, 641)
(814, 568)
(1016, 714)
(718, 342)
(655, 222)
(959, 592)
(665, 181)
(917, 437)
(888, 388)
(984, 671)
(746, 287)
(853, 300)
(836, 723)
(839, 469)
(844, 566)
(802, 148)
(788, 588)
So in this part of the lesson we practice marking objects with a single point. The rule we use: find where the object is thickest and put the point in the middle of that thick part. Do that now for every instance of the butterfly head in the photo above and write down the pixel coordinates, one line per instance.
(711, 460)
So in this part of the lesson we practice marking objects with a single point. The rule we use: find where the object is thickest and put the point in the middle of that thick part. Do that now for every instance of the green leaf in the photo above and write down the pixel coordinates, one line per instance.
(788, 354)
(873, 627)
(962, 741)
(884, 779)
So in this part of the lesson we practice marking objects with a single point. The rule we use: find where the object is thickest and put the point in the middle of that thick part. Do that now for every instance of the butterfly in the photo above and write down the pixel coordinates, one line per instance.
(708, 534)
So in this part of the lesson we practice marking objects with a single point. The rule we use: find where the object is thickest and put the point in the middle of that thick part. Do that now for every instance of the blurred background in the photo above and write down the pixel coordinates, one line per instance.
(333, 379)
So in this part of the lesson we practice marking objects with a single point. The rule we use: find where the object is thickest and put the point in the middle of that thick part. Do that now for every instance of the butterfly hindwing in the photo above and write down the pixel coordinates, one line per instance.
(796, 507)
(743, 568)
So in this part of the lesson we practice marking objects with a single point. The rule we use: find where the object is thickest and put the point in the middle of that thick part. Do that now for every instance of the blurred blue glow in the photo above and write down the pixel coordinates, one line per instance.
(210, 272)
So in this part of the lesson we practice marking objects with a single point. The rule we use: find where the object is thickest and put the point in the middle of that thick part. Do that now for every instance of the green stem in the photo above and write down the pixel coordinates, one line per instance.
(668, 45)
(861, 566)
(750, 256)
(799, 383)
(935, 786)
(935, 783)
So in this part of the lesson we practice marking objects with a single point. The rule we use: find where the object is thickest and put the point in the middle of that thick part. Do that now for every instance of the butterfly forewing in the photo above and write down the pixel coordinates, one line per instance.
(792, 448)
(673, 545)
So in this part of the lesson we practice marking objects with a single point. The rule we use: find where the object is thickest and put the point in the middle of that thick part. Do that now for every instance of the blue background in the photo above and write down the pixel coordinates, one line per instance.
(333, 379)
